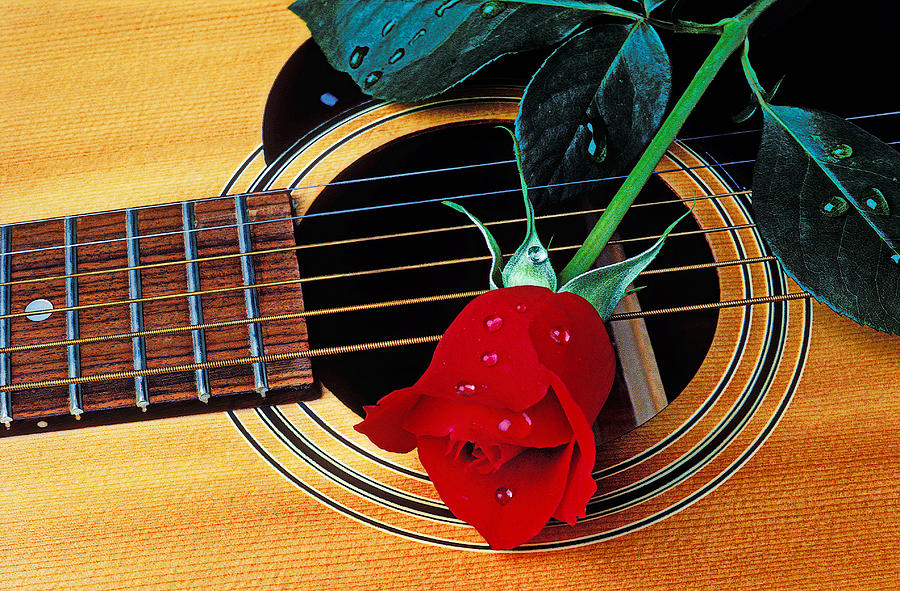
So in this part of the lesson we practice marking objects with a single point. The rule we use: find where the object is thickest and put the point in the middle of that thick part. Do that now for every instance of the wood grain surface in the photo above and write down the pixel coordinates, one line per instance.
(108, 104)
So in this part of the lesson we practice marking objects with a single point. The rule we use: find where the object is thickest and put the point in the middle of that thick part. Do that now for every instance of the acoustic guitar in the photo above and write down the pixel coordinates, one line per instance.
(191, 317)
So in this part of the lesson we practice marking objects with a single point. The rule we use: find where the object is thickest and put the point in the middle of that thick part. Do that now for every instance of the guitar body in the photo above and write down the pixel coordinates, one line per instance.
(776, 466)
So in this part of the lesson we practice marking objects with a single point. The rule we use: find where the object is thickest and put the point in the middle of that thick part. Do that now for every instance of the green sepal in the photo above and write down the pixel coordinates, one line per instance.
(496, 258)
(605, 286)
(530, 264)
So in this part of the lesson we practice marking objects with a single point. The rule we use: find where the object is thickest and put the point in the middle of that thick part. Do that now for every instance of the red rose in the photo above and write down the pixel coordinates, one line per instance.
(502, 417)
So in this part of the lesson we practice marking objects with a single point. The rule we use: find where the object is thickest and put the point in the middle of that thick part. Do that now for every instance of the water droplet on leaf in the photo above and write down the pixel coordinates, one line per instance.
(489, 358)
(896, 258)
(560, 335)
(419, 34)
(876, 203)
(440, 10)
(503, 495)
(356, 58)
(492, 9)
(597, 147)
(493, 323)
(842, 151)
(373, 78)
(388, 27)
(835, 207)
(396, 57)
(537, 254)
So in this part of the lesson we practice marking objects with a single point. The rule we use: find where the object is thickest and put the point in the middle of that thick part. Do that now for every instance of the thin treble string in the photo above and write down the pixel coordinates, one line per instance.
(343, 242)
(349, 308)
(349, 274)
(757, 130)
(292, 190)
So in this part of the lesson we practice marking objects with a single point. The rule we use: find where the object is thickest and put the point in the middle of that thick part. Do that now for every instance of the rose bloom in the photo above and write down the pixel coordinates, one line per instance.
(502, 417)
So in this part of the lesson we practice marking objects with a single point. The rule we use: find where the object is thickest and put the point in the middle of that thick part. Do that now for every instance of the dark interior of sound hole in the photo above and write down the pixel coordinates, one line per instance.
(680, 341)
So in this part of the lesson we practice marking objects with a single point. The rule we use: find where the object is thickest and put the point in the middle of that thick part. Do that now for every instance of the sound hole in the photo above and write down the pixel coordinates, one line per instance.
(680, 341)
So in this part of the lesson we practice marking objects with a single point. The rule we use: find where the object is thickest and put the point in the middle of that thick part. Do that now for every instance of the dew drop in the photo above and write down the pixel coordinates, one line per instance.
(419, 34)
(537, 254)
(388, 27)
(521, 308)
(835, 207)
(396, 56)
(503, 495)
(504, 425)
(527, 419)
(597, 147)
(356, 58)
(560, 335)
(466, 389)
(842, 151)
(373, 78)
(489, 358)
(492, 9)
(493, 323)
(876, 203)
(896, 258)
(440, 10)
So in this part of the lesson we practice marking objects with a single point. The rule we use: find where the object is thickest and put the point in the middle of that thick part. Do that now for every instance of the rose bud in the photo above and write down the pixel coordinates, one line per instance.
(502, 416)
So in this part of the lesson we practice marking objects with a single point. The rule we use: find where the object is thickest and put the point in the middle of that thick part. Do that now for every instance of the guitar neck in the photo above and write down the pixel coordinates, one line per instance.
(148, 307)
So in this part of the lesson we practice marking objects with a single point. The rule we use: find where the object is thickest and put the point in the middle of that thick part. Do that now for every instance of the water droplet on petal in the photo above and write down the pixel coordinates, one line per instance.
(537, 254)
(842, 151)
(503, 495)
(597, 146)
(504, 425)
(356, 58)
(373, 78)
(419, 34)
(560, 335)
(396, 57)
(527, 419)
(521, 308)
(440, 10)
(876, 203)
(492, 9)
(493, 323)
(835, 207)
(489, 358)
(465, 389)
(388, 27)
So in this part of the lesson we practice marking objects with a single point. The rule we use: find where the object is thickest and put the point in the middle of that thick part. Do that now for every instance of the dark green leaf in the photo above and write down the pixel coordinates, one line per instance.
(408, 50)
(827, 199)
(605, 286)
(592, 108)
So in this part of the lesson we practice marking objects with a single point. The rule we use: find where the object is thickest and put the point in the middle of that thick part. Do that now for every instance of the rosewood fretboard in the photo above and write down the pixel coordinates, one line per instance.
(144, 290)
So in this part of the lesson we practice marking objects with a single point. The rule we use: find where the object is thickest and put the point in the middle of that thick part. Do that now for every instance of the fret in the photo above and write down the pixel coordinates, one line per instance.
(138, 345)
(76, 405)
(251, 298)
(195, 306)
(5, 341)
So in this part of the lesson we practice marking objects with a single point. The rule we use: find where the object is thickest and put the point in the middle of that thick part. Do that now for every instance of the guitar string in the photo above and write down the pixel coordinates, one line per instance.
(292, 190)
(350, 274)
(342, 309)
(334, 212)
(362, 347)
(343, 242)
(263, 192)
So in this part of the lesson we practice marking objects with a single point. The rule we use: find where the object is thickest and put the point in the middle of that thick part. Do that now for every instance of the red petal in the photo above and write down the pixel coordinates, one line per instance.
(516, 381)
(541, 425)
(382, 424)
(536, 479)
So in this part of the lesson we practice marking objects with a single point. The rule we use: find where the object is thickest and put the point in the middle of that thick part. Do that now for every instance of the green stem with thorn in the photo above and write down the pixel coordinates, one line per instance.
(733, 33)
